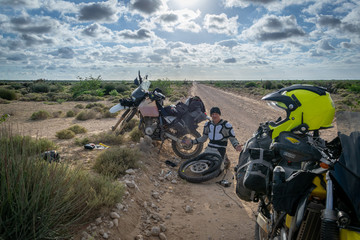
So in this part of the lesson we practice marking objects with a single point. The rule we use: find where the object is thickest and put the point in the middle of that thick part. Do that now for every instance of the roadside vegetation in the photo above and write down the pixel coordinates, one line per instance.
(345, 93)
(90, 89)
(42, 200)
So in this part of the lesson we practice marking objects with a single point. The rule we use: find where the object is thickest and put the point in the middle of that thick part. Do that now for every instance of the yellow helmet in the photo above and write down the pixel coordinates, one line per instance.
(307, 108)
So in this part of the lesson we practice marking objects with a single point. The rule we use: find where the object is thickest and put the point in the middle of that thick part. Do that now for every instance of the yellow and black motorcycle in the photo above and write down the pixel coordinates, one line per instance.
(306, 188)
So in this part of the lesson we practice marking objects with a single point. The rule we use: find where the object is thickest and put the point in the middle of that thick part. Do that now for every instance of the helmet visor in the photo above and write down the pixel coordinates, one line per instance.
(278, 106)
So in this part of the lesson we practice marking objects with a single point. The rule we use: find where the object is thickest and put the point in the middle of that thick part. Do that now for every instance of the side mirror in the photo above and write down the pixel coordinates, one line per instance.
(136, 82)
(140, 78)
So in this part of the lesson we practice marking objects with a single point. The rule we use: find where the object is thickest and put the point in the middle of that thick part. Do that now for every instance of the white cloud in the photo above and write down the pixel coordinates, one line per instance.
(97, 31)
(221, 24)
(148, 7)
(100, 12)
(274, 28)
(181, 19)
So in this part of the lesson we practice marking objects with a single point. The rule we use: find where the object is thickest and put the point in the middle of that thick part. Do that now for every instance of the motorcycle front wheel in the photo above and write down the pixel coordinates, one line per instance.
(187, 151)
(260, 234)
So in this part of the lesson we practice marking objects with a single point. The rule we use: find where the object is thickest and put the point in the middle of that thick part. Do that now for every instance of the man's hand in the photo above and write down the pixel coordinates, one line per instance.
(238, 148)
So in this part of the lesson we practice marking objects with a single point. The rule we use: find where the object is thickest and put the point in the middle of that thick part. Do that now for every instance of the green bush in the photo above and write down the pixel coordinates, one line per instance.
(114, 93)
(80, 106)
(354, 88)
(65, 134)
(3, 117)
(268, 85)
(115, 161)
(87, 97)
(86, 115)
(40, 88)
(57, 88)
(92, 105)
(136, 134)
(40, 115)
(77, 129)
(108, 114)
(164, 85)
(7, 94)
(34, 97)
(70, 113)
(250, 84)
(82, 141)
(88, 85)
(130, 125)
(40, 200)
(108, 138)
(108, 87)
(57, 114)
(122, 88)
(16, 144)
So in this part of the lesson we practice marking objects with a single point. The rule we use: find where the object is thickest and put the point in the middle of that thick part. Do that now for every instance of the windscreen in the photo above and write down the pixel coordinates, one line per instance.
(347, 170)
(140, 91)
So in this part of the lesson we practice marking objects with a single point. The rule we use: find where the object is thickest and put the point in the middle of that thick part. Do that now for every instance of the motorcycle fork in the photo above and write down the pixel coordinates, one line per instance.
(120, 120)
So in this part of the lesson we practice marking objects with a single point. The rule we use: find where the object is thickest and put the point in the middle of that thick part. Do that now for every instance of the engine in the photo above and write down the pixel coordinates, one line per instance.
(150, 126)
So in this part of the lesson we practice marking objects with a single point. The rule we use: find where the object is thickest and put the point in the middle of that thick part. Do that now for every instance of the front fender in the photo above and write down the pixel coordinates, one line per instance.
(116, 108)
(299, 215)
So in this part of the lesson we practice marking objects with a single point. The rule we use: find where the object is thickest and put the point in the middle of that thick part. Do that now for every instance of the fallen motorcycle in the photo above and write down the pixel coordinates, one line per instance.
(306, 188)
(160, 122)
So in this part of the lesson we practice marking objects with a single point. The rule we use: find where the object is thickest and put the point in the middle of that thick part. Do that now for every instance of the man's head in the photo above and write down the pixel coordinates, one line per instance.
(215, 114)
(215, 110)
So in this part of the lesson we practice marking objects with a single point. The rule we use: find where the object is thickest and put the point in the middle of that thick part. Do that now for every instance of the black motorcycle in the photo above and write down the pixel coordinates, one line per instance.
(160, 122)
(306, 188)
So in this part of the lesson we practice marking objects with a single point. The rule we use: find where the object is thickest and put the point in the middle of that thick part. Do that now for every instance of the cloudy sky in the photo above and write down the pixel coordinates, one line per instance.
(180, 39)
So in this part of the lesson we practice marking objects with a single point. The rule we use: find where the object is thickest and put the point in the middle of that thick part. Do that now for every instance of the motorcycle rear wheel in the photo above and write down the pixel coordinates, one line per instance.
(185, 151)
(199, 170)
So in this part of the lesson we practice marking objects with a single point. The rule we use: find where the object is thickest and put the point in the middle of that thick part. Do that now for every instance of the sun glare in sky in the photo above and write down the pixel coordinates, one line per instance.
(187, 3)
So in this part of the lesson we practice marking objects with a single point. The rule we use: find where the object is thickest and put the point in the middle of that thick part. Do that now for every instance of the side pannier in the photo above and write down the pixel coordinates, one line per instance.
(247, 171)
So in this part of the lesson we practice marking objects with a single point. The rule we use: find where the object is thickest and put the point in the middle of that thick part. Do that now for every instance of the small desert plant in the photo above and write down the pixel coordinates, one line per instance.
(108, 114)
(40, 115)
(77, 129)
(108, 138)
(136, 134)
(70, 113)
(92, 105)
(115, 161)
(86, 115)
(130, 125)
(3, 117)
(57, 114)
(7, 94)
(80, 106)
(65, 134)
(82, 141)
